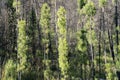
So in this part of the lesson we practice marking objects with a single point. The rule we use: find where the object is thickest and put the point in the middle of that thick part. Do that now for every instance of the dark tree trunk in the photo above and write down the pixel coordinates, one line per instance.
(118, 75)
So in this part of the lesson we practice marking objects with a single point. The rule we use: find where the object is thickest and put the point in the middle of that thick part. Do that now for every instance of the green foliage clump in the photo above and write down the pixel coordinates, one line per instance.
(16, 4)
(118, 65)
(63, 46)
(22, 46)
(63, 53)
(82, 41)
(118, 59)
(32, 24)
(102, 3)
(9, 3)
(89, 9)
(45, 15)
(45, 24)
(47, 72)
(110, 71)
(61, 23)
(45, 27)
(81, 53)
(91, 34)
(10, 70)
(81, 3)
(114, 1)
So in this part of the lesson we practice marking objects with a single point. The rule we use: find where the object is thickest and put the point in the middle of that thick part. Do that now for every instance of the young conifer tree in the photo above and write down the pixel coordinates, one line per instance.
(22, 47)
(89, 10)
(10, 71)
(45, 27)
(81, 54)
(31, 35)
(62, 43)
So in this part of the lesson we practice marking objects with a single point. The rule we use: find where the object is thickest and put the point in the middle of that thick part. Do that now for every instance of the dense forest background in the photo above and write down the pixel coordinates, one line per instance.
(59, 40)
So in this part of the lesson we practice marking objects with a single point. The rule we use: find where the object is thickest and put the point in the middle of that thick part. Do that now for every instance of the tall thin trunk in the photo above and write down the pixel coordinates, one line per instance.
(116, 24)
(103, 34)
(111, 45)
(92, 54)
(99, 48)
(0, 67)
